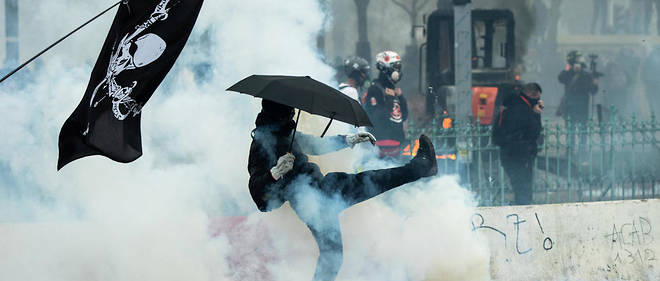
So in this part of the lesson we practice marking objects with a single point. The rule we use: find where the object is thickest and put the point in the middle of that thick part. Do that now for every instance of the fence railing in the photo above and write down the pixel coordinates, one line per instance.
(613, 160)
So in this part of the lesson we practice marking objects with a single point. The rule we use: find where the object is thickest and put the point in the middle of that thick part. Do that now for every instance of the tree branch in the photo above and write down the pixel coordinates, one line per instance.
(402, 6)
(423, 4)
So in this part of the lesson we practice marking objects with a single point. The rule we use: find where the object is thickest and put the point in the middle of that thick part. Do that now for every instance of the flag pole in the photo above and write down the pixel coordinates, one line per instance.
(58, 41)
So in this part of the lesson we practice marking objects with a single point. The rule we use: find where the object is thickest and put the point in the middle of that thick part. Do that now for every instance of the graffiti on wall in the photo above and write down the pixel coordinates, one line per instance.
(511, 234)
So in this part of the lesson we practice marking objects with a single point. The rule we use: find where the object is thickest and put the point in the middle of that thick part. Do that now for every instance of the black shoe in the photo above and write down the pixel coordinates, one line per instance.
(425, 158)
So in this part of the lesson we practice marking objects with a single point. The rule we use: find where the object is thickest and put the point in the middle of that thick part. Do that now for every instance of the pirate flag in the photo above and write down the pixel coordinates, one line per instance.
(145, 39)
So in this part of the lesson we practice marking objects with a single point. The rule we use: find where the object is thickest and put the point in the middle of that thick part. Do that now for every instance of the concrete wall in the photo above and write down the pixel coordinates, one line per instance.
(593, 241)
(617, 240)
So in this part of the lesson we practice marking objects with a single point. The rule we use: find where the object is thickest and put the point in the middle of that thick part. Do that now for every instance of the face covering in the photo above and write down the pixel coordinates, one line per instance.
(276, 116)
(532, 102)
(284, 123)
(395, 76)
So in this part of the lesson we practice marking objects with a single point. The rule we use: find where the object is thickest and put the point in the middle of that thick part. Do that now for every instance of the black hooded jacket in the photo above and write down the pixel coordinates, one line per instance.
(269, 142)
(521, 126)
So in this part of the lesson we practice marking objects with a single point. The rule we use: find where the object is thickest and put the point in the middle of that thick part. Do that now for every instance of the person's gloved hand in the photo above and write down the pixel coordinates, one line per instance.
(354, 139)
(284, 165)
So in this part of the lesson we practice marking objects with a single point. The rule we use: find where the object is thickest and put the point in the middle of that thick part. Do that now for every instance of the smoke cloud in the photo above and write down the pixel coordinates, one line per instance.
(183, 211)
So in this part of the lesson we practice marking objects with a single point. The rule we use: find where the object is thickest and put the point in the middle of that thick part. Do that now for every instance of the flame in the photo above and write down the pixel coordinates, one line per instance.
(446, 156)
(446, 123)
(407, 152)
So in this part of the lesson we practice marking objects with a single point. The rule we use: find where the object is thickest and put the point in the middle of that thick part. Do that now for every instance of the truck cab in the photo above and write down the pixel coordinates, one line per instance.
(493, 62)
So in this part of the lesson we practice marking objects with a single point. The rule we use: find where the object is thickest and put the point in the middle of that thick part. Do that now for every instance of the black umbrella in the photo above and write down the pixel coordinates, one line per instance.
(305, 93)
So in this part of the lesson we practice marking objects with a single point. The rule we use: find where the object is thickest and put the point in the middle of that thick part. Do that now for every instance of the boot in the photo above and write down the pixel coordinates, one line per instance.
(425, 160)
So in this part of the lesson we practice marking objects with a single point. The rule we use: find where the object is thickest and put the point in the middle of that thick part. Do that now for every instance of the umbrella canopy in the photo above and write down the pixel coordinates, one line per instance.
(305, 93)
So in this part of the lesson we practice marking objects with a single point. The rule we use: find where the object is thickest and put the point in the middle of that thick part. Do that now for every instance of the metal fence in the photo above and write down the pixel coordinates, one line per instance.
(612, 160)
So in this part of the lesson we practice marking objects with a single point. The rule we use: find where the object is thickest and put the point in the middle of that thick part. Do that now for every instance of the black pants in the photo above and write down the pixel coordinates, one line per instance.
(352, 189)
(519, 170)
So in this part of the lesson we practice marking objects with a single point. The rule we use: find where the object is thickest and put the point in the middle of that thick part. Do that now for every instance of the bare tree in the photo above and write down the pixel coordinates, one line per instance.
(363, 47)
(412, 11)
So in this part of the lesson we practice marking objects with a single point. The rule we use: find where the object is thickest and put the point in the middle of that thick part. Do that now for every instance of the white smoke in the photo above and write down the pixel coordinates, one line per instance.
(149, 220)
(417, 234)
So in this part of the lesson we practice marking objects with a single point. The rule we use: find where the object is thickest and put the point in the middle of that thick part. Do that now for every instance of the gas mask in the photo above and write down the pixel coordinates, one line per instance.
(395, 76)
(389, 65)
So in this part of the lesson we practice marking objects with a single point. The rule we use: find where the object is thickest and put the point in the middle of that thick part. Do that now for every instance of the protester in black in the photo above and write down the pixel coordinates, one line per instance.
(579, 85)
(278, 175)
(386, 106)
(520, 130)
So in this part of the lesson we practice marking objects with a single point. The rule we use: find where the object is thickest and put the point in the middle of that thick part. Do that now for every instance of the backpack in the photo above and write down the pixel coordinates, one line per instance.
(499, 134)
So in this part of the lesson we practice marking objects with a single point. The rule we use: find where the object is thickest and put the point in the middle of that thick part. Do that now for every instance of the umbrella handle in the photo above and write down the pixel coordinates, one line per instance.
(294, 131)
(327, 127)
